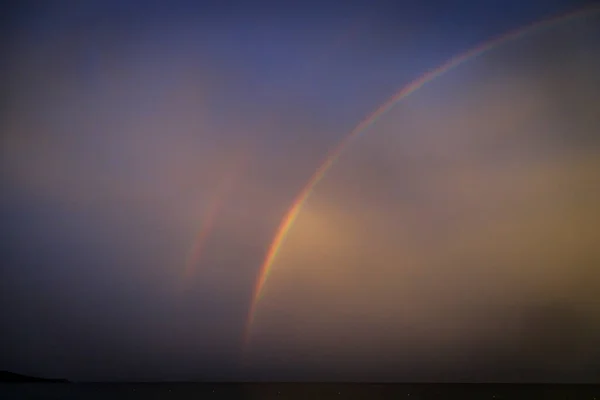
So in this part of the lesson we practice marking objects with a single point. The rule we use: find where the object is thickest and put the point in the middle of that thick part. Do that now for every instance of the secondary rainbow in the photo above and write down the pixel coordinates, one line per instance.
(288, 220)
(223, 191)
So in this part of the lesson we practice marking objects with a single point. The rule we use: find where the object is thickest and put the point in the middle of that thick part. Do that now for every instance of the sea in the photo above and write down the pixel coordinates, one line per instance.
(280, 391)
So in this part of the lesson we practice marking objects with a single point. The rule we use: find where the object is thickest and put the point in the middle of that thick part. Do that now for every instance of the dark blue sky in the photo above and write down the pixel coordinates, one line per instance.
(123, 121)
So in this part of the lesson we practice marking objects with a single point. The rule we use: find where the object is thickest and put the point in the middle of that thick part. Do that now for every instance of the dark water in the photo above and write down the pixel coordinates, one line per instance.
(294, 391)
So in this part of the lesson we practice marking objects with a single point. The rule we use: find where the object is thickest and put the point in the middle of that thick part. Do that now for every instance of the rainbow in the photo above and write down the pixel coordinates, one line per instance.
(223, 191)
(288, 220)
(212, 211)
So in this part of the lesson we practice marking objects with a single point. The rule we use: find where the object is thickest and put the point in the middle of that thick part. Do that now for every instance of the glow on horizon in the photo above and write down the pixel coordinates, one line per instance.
(290, 217)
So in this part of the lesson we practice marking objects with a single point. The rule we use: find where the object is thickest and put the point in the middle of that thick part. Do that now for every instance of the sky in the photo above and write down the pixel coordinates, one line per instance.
(150, 151)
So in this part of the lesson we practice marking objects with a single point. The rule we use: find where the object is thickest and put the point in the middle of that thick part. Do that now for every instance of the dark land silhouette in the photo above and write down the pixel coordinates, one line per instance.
(6, 376)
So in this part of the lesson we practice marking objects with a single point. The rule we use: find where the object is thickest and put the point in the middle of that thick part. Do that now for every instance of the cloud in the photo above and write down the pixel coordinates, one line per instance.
(465, 213)
(442, 237)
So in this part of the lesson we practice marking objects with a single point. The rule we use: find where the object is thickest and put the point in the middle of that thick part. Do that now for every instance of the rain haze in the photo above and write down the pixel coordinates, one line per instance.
(150, 153)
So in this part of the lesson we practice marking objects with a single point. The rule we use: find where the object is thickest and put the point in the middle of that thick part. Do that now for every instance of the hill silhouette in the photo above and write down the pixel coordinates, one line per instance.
(6, 376)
